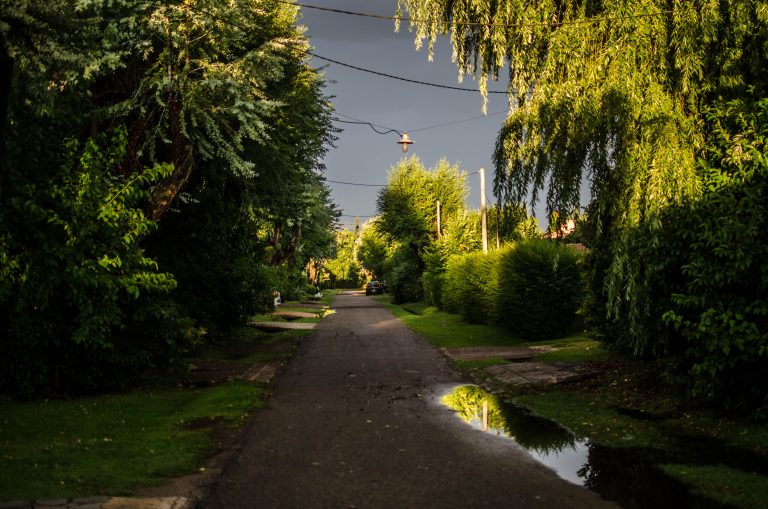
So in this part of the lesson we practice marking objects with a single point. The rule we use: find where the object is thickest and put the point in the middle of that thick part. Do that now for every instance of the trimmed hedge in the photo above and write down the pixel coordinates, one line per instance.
(470, 286)
(542, 288)
(533, 288)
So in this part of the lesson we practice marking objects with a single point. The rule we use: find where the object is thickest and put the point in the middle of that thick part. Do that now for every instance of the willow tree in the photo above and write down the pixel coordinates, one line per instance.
(611, 92)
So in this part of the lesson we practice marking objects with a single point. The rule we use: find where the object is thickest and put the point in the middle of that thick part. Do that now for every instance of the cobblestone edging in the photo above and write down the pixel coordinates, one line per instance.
(100, 503)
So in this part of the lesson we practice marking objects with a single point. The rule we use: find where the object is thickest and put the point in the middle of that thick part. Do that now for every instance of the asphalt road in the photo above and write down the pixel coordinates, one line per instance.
(355, 422)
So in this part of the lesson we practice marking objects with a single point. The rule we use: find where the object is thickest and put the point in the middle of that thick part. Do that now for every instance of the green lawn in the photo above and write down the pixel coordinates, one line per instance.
(447, 330)
(112, 444)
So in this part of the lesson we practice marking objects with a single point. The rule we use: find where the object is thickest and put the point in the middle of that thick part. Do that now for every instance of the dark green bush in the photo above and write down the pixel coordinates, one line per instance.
(433, 288)
(74, 277)
(720, 307)
(405, 281)
(540, 289)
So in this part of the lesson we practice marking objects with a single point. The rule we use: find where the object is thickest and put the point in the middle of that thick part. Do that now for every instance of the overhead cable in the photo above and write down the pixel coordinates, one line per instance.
(343, 64)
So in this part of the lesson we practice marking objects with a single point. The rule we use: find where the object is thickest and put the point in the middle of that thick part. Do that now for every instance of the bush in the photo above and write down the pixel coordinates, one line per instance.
(74, 277)
(540, 289)
(471, 286)
(720, 307)
(433, 288)
(405, 281)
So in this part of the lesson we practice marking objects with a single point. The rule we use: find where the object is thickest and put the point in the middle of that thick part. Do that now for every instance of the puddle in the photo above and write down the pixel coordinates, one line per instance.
(627, 476)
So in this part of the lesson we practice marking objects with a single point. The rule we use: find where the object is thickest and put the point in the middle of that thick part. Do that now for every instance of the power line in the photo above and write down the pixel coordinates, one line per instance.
(369, 124)
(457, 121)
(400, 78)
(478, 24)
(390, 130)
(378, 185)
(356, 183)
(343, 64)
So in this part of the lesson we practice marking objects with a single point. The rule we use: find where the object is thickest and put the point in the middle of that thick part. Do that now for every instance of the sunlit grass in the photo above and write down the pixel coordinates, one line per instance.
(447, 330)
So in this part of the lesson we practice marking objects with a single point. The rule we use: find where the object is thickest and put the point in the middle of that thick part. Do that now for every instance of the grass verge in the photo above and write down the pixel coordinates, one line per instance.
(627, 406)
(113, 444)
(447, 330)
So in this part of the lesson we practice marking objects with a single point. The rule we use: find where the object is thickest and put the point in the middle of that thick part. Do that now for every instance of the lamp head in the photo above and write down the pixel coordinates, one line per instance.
(404, 142)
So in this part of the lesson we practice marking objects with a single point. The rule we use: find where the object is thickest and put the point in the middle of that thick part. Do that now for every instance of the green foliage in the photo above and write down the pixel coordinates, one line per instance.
(470, 286)
(344, 268)
(540, 289)
(373, 251)
(408, 218)
(405, 281)
(73, 273)
(219, 101)
(611, 93)
(433, 284)
(721, 304)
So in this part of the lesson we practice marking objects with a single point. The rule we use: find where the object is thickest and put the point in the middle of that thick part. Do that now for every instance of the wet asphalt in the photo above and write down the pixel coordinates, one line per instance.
(356, 422)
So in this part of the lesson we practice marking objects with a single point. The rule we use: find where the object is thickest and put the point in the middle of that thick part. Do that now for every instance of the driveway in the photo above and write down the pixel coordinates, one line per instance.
(355, 422)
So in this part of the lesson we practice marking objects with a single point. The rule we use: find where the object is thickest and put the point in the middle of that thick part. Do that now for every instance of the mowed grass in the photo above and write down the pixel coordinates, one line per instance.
(112, 444)
(447, 330)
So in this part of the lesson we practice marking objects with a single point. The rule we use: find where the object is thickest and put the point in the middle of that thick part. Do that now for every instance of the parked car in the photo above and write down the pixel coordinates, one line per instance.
(374, 288)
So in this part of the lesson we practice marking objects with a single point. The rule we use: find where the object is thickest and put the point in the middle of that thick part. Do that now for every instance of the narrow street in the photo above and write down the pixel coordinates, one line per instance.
(355, 422)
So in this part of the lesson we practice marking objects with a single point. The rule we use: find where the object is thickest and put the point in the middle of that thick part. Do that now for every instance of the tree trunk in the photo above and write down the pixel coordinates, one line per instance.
(281, 256)
(182, 160)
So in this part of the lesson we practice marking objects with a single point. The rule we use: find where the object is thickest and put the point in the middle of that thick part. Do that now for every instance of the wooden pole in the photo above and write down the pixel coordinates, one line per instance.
(484, 219)
(498, 219)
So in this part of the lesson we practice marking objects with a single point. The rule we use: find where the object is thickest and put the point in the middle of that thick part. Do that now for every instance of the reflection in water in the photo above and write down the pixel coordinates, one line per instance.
(545, 440)
(627, 476)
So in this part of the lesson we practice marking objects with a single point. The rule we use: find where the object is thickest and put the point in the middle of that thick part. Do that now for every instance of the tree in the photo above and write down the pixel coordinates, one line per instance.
(373, 251)
(610, 91)
(407, 216)
(217, 95)
(344, 268)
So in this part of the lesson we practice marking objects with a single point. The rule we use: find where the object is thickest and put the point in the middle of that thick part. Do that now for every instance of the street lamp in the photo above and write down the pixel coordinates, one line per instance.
(404, 142)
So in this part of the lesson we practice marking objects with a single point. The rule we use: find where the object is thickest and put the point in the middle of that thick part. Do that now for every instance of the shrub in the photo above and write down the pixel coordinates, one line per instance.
(720, 307)
(405, 281)
(540, 289)
(74, 277)
(433, 288)
(471, 286)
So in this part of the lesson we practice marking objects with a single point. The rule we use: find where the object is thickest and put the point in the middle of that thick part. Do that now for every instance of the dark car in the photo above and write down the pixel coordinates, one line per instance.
(374, 288)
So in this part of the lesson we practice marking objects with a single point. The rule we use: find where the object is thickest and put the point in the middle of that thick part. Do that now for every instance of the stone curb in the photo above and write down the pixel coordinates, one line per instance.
(100, 503)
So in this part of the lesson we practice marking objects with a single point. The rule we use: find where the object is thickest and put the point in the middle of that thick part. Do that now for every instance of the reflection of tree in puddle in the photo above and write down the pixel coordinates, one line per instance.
(531, 432)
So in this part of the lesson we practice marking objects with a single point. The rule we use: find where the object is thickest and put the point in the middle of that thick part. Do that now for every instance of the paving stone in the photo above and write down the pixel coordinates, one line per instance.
(47, 502)
(294, 314)
(539, 373)
(90, 500)
(148, 503)
(280, 326)
(16, 504)
(489, 352)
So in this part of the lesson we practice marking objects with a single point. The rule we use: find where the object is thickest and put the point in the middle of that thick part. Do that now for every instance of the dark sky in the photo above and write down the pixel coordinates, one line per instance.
(363, 156)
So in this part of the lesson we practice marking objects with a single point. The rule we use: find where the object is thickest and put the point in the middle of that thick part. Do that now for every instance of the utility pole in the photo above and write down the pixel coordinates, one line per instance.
(484, 219)
(498, 220)
(439, 232)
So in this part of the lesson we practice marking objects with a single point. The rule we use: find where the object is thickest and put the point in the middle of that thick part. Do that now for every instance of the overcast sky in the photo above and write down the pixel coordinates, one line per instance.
(361, 155)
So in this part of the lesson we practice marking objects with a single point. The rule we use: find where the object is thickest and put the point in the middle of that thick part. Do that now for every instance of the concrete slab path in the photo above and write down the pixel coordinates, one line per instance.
(278, 326)
(356, 422)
